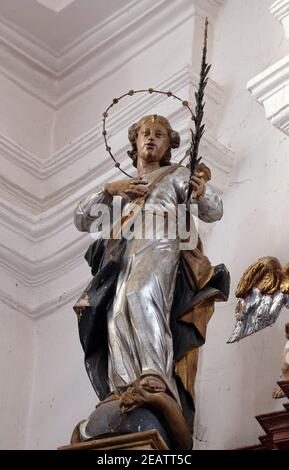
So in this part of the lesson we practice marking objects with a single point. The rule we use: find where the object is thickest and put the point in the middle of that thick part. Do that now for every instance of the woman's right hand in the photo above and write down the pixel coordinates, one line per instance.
(127, 189)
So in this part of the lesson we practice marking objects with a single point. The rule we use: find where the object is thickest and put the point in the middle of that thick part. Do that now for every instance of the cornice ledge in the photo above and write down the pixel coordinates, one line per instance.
(37, 228)
(28, 48)
(91, 141)
(125, 116)
(208, 7)
(38, 311)
(280, 9)
(49, 224)
(33, 273)
(55, 6)
(270, 81)
(118, 25)
(271, 89)
(21, 157)
(58, 215)
(34, 67)
(77, 149)
(73, 81)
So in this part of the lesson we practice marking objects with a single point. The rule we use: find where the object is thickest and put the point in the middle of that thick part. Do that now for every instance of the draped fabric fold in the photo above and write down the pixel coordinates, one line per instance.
(198, 287)
(143, 290)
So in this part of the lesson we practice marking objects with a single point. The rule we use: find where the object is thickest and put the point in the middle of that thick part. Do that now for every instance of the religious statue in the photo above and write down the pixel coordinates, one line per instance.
(262, 292)
(144, 314)
(278, 392)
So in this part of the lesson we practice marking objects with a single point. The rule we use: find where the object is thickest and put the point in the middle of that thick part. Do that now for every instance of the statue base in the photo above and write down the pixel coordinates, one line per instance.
(108, 421)
(157, 415)
(147, 440)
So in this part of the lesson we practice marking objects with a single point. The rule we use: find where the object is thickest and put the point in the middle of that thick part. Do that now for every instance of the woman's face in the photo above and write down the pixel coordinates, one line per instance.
(152, 141)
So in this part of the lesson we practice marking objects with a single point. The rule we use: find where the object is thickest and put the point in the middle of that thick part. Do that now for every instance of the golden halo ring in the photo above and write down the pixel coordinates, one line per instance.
(115, 101)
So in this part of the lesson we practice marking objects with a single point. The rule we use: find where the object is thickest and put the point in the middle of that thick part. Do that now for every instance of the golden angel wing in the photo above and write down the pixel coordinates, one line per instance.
(266, 274)
(284, 286)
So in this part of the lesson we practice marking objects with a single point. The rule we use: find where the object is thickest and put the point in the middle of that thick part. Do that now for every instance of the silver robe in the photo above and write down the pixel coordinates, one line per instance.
(139, 336)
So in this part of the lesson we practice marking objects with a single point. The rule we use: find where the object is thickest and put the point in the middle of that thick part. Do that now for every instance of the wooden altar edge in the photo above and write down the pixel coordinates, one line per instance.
(146, 440)
(246, 448)
(276, 426)
(281, 438)
(286, 406)
(266, 443)
(271, 421)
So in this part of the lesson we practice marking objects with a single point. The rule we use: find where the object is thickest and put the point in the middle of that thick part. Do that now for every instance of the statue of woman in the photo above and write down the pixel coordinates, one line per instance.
(143, 316)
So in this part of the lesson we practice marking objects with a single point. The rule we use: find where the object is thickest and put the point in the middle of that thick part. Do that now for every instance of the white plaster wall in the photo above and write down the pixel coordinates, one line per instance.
(16, 372)
(62, 395)
(24, 119)
(26, 124)
(146, 69)
(235, 382)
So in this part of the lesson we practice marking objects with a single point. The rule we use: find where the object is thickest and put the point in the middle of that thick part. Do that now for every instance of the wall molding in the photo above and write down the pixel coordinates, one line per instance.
(56, 5)
(40, 226)
(40, 270)
(41, 220)
(55, 79)
(81, 149)
(271, 87)
(42, 263)
(42, 309)
(40, 250)
(280, 9)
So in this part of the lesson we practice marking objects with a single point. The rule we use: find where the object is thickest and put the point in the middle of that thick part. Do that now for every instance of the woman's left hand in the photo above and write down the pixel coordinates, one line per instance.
(198, 187)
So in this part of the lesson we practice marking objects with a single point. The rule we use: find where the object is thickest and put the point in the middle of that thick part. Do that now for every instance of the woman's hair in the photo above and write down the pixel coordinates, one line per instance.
(174, 137)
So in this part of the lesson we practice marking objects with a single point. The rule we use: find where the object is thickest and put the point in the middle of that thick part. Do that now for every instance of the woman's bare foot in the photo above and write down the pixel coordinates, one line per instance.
(163, 404)
(112, 396)
(152, 383)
